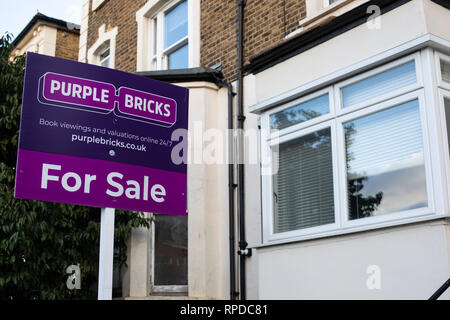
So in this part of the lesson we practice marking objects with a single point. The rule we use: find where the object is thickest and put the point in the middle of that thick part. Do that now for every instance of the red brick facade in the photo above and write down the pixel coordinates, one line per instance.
(266, 23)
(120, 14)
(67, 44)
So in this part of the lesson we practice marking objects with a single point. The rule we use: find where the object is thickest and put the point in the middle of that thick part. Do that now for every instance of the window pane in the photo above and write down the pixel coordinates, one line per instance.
(176, 25)
(170, 250)
(302, 112)
(379, 84)
(105, 63)
(303, 186)
(104, 57)
(385, 165)
(179, 58)
(154, 36)
(447, 118)
(445, 70)
(104, 54)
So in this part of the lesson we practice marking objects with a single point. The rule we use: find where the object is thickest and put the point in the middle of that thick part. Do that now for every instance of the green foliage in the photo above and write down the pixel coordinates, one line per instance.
(39, 240)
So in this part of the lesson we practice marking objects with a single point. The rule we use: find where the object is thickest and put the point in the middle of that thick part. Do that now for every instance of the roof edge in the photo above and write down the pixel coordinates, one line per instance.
(39, 17)
(443, 3)
(184, 75)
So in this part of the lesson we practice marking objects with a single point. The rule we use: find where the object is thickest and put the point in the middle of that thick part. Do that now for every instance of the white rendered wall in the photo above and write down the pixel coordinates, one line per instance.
(413, 261)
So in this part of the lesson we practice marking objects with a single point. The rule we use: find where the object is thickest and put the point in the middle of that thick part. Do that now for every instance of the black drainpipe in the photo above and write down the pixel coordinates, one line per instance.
(243, 252)
(231, 187)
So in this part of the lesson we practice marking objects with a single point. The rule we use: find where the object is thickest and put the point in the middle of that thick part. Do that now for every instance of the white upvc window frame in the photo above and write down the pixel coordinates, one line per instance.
(154, 288)
(383, 220)
(335, 120)
(268, 190)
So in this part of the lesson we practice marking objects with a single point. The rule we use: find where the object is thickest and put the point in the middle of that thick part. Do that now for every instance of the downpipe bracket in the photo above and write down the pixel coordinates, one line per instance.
(247, 252)
(243, 250)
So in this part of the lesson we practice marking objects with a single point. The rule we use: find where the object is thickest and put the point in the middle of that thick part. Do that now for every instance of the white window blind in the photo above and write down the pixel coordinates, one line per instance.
(104, 56)
(445, 70)
(302, 112)
(303, 186)
(385, 163)
(447, 118)
(379, 84)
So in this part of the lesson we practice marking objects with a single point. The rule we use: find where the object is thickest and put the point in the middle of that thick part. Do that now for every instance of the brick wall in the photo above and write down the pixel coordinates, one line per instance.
(120, 14)
(67, 44)
(266, 23)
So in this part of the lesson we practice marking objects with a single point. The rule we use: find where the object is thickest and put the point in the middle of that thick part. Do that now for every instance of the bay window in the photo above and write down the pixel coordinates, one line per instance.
(351, 156)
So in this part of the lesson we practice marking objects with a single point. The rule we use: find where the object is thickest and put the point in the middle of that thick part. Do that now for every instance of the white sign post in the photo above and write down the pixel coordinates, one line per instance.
(106, 256)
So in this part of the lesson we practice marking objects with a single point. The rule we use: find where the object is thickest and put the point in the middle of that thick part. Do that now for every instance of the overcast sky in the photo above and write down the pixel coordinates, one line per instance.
(15, 14)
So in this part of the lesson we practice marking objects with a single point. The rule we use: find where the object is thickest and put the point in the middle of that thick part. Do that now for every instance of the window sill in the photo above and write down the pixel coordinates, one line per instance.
(351, 230)
(96, 4)
(317, 18)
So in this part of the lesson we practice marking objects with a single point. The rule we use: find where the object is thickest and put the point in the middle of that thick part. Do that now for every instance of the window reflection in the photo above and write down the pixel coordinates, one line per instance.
(302, 112)
(179, 58)
(447, 118)
(170, 250)
(379, 84)
(385, 164)
(176, 26)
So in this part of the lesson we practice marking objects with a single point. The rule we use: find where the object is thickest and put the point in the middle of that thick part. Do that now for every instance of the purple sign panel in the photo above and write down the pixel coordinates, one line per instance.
(100, 137)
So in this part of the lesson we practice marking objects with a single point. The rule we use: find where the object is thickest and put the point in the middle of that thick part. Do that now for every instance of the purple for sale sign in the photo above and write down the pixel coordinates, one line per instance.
(100, 137)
